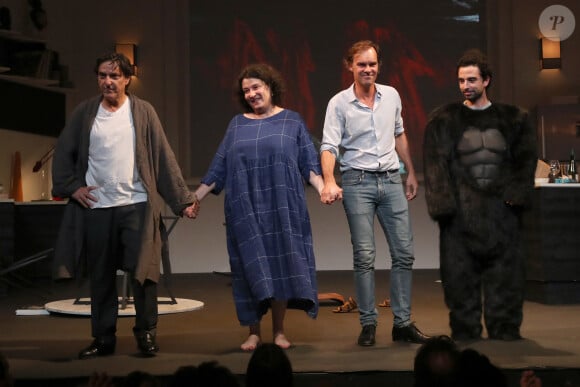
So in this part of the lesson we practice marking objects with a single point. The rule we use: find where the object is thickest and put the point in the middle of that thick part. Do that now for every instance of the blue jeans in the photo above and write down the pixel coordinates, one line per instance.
(364, 196)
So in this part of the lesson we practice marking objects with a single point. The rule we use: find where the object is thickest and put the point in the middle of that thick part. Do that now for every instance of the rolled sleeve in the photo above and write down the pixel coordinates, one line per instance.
(333, 128)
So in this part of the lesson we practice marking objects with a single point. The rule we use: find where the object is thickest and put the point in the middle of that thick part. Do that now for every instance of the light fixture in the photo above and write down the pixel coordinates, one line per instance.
(43, 160)
(129, 50)
(550, 54)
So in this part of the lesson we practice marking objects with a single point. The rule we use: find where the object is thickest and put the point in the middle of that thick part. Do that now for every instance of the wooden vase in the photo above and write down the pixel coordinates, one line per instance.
(16, 179)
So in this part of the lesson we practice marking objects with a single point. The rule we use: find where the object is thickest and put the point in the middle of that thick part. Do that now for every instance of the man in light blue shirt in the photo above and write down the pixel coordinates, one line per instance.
(365, 122)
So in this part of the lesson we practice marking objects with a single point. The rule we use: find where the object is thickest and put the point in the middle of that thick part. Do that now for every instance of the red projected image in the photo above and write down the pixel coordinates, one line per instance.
(419, 43)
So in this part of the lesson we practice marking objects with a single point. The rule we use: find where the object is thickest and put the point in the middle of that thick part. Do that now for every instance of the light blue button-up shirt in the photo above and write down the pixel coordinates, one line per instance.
(365, 137)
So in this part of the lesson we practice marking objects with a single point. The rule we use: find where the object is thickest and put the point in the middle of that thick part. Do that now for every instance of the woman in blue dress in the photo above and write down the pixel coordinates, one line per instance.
(262, 163)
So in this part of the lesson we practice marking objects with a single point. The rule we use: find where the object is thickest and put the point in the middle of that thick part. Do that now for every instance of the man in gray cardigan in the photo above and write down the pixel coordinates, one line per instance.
(113, 161)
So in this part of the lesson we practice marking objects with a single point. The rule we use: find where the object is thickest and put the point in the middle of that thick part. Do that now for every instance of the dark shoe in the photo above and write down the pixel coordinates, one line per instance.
(409, 334)
(504, 332)
(367, 336)
(465, 337)
(146, 343)
(99, 347)
(506, 336)
(466, 333)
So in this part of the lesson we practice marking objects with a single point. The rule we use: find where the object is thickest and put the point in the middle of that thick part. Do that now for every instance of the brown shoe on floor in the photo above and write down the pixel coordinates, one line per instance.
(386, 303)
(347, 307)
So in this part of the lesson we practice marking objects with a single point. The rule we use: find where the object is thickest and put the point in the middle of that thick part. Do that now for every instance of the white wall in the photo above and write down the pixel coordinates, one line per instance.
(200, 245)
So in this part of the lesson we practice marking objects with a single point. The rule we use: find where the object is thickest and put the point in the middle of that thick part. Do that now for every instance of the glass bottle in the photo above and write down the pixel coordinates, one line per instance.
(554, 171)
(572, 173)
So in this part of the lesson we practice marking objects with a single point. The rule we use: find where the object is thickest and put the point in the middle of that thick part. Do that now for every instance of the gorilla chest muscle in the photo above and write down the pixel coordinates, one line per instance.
(481, 152)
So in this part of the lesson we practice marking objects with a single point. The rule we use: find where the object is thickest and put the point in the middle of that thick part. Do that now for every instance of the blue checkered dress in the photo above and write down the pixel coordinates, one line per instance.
(262, 164)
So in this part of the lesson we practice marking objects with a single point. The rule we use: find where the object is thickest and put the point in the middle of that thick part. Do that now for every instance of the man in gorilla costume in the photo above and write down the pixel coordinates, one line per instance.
(479, 168)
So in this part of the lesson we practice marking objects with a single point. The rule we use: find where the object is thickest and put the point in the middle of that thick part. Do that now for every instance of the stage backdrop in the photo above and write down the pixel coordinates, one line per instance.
(306, 41)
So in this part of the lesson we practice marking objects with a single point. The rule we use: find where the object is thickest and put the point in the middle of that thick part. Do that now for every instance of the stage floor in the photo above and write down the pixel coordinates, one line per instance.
(44, 347)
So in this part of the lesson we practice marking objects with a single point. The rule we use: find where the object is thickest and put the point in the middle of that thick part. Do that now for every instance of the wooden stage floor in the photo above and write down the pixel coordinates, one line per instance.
(43, 348)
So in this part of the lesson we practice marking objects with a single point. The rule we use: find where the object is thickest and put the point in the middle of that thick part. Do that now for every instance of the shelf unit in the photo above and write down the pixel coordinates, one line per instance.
(50, 84)
(19, 37)
(31, 101)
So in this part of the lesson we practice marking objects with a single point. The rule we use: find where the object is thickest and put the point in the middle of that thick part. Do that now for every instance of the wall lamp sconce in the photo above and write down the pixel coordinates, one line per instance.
(550, 54)
(129, 50)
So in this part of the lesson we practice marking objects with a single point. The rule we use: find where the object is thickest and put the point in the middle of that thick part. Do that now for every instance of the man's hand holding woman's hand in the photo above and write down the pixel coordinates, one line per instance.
(330, 193)
(192, 211)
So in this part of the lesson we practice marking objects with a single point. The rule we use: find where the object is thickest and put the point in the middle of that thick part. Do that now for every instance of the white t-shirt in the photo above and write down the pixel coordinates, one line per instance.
(112, 166)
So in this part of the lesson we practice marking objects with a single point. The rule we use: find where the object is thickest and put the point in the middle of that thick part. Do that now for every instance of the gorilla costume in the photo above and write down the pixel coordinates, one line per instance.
(479, 175)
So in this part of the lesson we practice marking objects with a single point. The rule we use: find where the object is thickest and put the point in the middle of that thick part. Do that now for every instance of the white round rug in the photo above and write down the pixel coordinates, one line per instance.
(82, 306)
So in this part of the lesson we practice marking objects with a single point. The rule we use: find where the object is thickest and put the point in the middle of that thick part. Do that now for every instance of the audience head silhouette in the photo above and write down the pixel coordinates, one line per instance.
(207, 374)
(269, 366)
(5, 375)
(141, 379)
(435, 362)
(475, 370)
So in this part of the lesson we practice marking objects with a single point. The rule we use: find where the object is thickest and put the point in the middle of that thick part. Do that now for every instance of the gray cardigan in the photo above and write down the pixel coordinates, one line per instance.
(159, 173)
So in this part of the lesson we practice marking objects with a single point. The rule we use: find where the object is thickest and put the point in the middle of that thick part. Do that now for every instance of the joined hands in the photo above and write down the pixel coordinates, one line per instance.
(192, 211)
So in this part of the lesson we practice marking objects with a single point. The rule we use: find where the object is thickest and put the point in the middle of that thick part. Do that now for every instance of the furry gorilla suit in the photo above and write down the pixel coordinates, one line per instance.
(479, 175)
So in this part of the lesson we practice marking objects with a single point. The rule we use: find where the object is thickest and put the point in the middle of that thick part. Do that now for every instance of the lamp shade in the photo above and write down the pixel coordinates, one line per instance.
(129, 50)
(550, 54)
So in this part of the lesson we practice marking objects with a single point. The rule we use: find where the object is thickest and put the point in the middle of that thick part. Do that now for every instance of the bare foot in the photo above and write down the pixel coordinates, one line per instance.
(281, 341)
(251, 343)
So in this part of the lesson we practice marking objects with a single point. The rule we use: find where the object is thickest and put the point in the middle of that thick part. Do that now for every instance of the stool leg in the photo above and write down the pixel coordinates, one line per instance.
(124, 290)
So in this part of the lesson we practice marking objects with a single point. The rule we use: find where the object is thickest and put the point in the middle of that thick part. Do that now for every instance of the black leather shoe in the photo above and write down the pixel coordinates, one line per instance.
(409, 334)
(367, 336)
(99, 347)
(146, 343)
